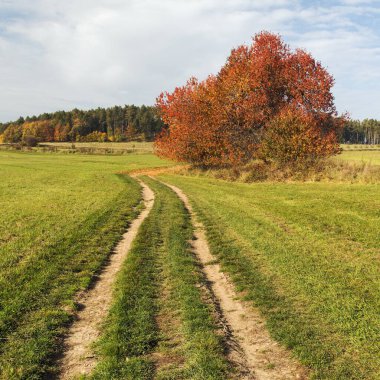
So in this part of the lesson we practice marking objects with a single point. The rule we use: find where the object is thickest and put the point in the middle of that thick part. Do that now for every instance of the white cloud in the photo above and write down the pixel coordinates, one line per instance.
(56, 54)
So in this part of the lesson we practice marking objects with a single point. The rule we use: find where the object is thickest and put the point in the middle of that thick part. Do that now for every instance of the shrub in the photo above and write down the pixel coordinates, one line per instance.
(294, 138)
(30, 141)
(93, 137)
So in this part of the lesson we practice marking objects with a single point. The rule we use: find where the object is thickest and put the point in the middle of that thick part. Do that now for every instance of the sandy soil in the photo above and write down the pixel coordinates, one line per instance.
(256, 355)
(156, 171)
(78, 358)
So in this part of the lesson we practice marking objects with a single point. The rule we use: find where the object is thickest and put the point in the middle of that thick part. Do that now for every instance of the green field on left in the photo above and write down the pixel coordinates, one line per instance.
(60, 217)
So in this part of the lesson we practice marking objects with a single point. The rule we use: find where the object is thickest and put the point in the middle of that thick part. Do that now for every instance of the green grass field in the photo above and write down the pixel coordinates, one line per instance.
(307, 256)
(360, 147)
(365, 156)
(60, 217)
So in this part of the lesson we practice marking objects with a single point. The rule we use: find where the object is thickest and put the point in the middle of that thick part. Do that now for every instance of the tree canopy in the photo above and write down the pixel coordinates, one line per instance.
(267, 101)
(101, 124)
(366, 131)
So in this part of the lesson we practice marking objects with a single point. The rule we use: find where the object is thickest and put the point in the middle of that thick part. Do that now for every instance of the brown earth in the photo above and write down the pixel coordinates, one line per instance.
(157, 171)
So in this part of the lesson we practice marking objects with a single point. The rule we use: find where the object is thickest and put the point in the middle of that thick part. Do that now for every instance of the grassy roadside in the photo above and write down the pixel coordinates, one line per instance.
(37, 298)
(159, 278)
(60, 217)
(305, 255)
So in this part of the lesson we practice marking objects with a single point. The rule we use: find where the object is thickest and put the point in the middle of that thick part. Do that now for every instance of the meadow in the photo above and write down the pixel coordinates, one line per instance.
(305, 254)
(103, 147)
(360, 147)
(60, 217)
(94, 148)
(370, 156)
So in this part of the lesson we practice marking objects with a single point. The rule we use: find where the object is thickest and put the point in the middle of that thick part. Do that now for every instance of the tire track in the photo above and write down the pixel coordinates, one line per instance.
(78, 357)
(254, 353)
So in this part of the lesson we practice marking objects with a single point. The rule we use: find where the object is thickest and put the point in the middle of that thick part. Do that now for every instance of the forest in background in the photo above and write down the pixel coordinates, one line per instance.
(366, 131)
(118, 123)
(129, 122)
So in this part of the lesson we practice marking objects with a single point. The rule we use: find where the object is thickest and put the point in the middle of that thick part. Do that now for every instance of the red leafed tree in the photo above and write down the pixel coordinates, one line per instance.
(238, 114)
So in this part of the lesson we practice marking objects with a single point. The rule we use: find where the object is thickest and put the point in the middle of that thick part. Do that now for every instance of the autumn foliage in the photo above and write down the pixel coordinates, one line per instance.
(266, 102)
(41, 130)
(118, 123)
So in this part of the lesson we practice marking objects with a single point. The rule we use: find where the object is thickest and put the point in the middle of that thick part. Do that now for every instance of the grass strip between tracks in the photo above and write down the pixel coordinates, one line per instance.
(132, 336)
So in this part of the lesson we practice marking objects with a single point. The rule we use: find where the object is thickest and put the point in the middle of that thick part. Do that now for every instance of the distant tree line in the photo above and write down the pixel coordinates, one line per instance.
(366, 131)
(119, 123)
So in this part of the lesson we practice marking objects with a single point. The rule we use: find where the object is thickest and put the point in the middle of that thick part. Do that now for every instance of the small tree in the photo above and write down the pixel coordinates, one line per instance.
(30, 141)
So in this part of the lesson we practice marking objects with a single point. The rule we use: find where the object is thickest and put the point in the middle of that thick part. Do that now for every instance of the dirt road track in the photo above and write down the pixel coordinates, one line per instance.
(78, 358)
(256, 355)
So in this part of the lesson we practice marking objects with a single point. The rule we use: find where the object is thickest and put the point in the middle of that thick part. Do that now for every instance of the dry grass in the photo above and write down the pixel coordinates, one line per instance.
(335, 170)
(138, 146)
(346, 147)
(115, 148)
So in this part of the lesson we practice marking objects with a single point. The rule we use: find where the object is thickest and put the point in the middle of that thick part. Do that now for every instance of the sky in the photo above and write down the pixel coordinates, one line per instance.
(60, 55)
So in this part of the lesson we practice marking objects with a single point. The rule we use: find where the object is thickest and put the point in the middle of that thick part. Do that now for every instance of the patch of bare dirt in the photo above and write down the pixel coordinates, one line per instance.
(78, 358)
(157, 171)
(256, 355)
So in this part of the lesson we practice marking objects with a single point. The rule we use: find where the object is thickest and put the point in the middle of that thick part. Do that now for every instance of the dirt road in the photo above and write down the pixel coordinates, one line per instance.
(256, 355)
(78, 357)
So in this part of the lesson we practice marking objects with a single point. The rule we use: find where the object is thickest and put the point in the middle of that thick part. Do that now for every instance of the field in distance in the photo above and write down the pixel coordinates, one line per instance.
(110, 147)
(360, 147)
(351, 152)
(371, 156)
(354, 152)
